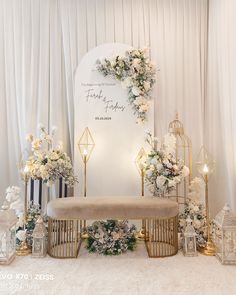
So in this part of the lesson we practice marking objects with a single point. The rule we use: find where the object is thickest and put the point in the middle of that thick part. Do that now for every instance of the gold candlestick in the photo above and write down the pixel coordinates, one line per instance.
(24, 249)
(86, 145)
(205, 167)
(139, 161)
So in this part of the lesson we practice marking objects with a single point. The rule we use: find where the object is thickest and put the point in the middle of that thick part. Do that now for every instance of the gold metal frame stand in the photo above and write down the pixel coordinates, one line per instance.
(209, 249)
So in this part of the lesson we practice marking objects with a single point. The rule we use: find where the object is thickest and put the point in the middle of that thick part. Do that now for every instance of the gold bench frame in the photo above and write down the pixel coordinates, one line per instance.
(65, 237)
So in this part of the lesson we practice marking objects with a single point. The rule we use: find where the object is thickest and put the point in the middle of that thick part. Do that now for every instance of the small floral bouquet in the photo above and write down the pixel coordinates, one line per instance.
(111, 237)
(136, 73)
(47, 162)
(162, 170)
(195, 209)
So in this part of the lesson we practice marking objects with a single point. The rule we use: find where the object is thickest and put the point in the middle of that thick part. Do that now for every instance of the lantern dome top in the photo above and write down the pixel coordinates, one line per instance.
(176, 126)
(8, 217)
(225, 217)
(39, 230)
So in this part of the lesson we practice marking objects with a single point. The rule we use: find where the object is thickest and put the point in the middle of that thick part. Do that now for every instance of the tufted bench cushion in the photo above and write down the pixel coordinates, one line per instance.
(111, 208)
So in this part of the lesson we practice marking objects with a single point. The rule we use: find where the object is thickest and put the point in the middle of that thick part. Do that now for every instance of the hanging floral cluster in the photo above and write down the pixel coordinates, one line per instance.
(136, 73)
(195, 209)
(162, 170)
(111, 237)
(49, 162)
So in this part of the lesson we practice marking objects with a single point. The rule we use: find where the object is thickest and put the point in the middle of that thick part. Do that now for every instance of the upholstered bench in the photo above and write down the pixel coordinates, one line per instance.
(66, 217)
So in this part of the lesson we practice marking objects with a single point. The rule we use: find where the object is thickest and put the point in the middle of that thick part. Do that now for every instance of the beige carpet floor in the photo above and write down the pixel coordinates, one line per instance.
(129, 274)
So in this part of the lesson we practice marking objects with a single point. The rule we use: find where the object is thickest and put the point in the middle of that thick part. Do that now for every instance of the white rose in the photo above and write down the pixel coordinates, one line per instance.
(185, 171)
(159, 167)
(54, 156)
(171, 183)
(160, 181)
(136, 91)
(153, 161)
(143, 108)
(140, 100)
(146, 85)
(21, 235)
(36, 144)
(195, 208)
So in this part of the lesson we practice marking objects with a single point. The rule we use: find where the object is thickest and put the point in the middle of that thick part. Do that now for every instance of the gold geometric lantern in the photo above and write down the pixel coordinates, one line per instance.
(205, 166)
(86, 145)
(183, 151)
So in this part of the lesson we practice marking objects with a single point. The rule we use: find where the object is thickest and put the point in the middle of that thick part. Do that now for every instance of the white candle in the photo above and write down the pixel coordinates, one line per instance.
(85, 152)
(205, 169)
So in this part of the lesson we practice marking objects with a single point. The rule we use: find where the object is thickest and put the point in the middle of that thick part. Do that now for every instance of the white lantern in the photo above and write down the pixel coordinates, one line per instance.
(39, 247)
(8, 220)
(190, 246)
(224, 235)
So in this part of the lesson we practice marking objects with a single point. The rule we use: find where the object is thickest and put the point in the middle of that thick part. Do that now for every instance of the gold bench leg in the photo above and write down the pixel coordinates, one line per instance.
(64, 238)
(161, 236)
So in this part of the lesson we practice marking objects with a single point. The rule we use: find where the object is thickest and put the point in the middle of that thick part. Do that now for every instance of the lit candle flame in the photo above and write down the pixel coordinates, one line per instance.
(85, 152)
(26, 169)
(205, 169)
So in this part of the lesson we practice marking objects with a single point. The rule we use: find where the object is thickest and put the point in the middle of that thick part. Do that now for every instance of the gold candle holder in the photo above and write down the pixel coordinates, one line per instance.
(205, 167)
(86, 145)
(24, 249)
(139, 161)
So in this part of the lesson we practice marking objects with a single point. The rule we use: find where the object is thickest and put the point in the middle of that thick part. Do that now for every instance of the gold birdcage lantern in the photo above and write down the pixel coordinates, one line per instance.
(183, 151)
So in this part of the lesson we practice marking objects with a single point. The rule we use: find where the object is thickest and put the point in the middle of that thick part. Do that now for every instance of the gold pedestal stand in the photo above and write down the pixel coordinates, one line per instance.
(23, 250)
(208, 250)
(140, 159)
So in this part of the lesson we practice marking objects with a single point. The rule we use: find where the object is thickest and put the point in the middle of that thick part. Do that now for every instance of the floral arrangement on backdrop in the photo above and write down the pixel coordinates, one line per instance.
(136, 73)
(162, 170)
(49, 162)
(111, 237)
(195, 209)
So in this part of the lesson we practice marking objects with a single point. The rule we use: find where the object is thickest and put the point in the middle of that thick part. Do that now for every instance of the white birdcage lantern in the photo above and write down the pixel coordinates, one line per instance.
(39, 247)
(190, 245)
(183, 150)
(224, 235)
(8, 220)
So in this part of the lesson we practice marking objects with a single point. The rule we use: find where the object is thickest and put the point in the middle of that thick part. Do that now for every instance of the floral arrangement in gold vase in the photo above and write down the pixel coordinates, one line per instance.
(47, 161)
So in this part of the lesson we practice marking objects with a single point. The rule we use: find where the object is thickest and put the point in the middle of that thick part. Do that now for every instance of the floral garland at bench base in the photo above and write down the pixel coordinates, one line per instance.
(111, 237)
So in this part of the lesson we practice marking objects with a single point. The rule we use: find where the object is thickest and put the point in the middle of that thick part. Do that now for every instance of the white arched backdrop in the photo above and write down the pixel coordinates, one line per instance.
(42, 42)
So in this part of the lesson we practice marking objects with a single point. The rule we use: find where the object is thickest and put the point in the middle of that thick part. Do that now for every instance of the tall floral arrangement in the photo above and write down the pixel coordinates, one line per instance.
(162, 170)
(136, 73)
(49, 162)
(195, 210)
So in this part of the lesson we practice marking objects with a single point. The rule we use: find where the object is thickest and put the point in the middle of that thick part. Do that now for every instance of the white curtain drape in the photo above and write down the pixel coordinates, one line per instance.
(42, 42)
(221, 102)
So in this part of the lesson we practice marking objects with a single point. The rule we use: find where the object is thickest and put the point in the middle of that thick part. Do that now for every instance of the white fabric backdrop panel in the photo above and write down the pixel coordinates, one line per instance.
(42, 42)
(118, 139)
(221, 102)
